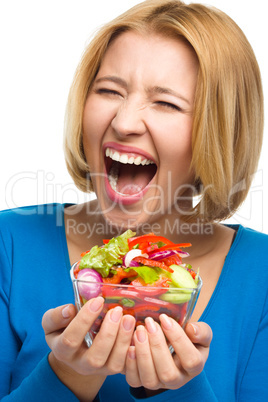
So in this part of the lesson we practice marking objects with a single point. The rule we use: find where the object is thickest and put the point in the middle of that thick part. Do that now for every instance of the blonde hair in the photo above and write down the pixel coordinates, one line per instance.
(228, 111)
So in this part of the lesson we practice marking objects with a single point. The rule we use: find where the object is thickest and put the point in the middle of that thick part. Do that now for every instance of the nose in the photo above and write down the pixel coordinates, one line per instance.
(129, 118)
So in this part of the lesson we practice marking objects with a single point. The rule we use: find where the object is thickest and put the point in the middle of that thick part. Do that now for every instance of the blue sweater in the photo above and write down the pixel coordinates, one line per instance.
(34, 276)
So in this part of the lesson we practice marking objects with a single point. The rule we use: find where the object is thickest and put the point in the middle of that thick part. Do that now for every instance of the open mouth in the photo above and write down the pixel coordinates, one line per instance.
(128, 173)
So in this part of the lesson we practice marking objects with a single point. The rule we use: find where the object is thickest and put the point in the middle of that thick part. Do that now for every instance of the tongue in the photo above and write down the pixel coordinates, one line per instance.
(132, 179)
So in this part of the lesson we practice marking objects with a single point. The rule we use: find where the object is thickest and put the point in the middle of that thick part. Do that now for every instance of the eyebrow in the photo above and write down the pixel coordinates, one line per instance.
(154, 90)
(168, 91)
(113, 78)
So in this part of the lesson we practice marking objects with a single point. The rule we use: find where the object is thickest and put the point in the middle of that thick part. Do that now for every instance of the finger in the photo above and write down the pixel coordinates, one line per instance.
(132, 372)
(71, 339)
(116, 361)
(144, 359)
(57, 318)
(104, 341)
(165, 367)
(190, 357)
(200, 333)
(77, 329)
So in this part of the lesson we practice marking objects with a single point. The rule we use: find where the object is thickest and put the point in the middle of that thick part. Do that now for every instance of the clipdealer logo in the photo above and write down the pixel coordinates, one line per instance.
(41, 187)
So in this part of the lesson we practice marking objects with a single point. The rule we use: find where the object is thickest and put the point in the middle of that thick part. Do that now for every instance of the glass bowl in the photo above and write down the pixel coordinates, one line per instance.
(139, 301)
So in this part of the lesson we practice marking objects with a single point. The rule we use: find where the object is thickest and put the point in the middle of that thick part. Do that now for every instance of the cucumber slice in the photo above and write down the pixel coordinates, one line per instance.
(181, 278)
(175, 298)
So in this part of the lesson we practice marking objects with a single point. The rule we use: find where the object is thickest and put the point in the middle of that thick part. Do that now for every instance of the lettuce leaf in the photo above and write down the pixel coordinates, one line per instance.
(148, 274)
(104, 257)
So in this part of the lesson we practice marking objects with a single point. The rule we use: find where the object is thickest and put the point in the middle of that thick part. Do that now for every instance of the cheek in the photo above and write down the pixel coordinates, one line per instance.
(93, 128)
(91, 121)
(176, 144)
(97, 118)
(90, 134)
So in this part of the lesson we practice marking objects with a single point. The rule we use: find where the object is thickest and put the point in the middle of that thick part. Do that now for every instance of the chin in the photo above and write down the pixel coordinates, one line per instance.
(121, 218)
(124, 220)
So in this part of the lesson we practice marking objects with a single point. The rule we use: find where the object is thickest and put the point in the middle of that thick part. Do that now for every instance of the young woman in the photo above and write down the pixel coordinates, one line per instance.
(166, 105)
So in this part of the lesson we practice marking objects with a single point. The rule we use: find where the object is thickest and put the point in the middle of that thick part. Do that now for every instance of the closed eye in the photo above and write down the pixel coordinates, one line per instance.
(169, 105)
(107, 91)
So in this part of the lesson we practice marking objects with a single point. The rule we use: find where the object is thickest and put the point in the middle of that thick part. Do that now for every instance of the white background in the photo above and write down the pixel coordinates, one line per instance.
(41, 44)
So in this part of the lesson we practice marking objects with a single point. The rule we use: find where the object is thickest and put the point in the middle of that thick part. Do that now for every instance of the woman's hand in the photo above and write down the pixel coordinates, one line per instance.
(71, 359)
(150, 363)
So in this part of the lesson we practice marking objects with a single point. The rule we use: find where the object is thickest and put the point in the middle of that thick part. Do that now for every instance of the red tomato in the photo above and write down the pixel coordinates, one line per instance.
(155, 288)
(173, 259)
(153, 263)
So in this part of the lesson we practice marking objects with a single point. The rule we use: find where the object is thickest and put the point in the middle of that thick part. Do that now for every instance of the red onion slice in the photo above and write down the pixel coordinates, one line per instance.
(182, 254)
(128, 257)
(89, 283)
(159, 255)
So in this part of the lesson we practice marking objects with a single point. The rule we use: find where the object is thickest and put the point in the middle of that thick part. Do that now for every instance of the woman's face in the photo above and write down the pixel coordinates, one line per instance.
(137, 128)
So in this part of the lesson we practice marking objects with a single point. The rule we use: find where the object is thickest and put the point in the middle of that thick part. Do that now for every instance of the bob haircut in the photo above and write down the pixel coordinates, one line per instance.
(228, 110)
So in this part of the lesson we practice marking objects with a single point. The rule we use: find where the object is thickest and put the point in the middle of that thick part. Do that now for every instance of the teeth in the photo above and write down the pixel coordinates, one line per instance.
(137, 160)
(116, 156)
(131, 160)
(124, 158)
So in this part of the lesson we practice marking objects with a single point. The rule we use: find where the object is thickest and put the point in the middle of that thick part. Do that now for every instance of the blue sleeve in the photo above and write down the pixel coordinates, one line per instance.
(198, 389)
(254, 386)
(8, 341)
(41, 385)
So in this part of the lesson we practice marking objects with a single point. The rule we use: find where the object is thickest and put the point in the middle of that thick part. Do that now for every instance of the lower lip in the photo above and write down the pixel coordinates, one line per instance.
(123, 199)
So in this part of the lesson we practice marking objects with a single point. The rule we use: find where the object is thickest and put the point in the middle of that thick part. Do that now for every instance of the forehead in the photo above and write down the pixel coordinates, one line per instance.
(135, 52)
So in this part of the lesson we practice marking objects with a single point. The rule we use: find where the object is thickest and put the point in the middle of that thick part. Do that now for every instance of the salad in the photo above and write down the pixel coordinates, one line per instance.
(143, 274)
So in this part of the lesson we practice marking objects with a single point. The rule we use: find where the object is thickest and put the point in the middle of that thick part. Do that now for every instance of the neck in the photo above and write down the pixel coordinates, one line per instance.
(171, 225)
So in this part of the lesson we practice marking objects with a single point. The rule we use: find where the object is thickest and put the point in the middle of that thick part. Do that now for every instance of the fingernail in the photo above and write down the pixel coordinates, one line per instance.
(131, 353)
(128, 323)
(66, 312)
(116, 314)
(150, 325)
(165, 321)
(195, 328)
(96, 304)
(141, 333)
